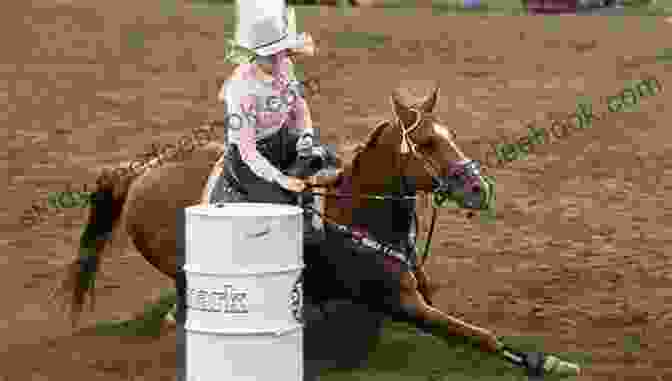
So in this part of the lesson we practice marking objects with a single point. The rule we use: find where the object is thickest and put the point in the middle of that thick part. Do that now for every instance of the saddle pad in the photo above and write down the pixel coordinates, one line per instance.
(219, 187)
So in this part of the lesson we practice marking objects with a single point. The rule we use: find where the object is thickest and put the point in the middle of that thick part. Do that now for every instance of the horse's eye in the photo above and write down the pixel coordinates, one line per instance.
(428, 145)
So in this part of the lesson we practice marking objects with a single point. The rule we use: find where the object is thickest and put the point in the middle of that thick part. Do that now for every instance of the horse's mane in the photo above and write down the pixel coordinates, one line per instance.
(372, 139)
(369, 143)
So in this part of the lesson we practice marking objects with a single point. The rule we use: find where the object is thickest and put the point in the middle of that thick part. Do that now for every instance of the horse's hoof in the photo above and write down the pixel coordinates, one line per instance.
(554, 365)
(537, 364)
(421, 332)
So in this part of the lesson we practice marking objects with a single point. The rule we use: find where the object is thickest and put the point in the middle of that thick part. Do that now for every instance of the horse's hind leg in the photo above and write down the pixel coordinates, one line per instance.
(438, 322)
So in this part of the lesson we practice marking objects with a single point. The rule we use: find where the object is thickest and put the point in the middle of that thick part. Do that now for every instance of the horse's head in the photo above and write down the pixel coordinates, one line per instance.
(418, 145)
(434, 158)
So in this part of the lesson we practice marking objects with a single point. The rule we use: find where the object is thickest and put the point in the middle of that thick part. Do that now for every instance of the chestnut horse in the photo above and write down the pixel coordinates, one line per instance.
(415, 146)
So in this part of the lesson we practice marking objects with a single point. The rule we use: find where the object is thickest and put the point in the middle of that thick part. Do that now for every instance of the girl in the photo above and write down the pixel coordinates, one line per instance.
(268, 122)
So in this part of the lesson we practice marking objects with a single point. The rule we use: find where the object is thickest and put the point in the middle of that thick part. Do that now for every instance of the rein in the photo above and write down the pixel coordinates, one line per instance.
(407, 145)
(376, 197)
(365, 196)
(383, 248)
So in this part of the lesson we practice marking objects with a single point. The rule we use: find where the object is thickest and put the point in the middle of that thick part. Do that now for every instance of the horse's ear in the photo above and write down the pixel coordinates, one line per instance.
(401, 110)
(430, 102)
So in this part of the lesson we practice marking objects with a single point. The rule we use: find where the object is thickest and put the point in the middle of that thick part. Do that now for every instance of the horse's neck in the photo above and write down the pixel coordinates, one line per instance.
(388, 220)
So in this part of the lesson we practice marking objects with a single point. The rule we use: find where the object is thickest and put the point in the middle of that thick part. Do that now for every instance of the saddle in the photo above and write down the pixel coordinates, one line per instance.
(226, 185)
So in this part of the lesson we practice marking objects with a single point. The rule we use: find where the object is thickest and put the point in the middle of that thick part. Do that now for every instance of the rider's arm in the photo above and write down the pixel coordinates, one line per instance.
(300, 118)
(242, 132)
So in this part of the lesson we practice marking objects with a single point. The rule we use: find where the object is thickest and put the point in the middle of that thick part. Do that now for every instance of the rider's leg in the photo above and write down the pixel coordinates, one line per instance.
(255, 188)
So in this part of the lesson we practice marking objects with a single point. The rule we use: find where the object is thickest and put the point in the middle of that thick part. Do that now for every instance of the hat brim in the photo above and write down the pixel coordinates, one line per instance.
(290, 42)
(293, 41)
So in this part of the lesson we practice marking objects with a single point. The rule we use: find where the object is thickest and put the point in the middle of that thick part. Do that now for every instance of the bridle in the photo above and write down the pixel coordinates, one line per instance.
(442, 187)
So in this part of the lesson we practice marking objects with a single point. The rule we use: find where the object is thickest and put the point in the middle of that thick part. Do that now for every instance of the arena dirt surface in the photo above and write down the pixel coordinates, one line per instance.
(577, 255)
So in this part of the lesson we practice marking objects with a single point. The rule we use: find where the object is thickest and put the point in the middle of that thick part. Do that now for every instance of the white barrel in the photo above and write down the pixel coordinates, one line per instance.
(243, 263)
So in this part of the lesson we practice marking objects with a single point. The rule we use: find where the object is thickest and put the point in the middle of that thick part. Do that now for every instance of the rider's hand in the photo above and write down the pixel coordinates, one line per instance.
(327, 180)
(295, 184)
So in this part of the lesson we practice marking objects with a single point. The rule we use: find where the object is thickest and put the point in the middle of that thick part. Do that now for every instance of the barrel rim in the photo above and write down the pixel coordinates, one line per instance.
(283, 331)
(191, 268)
(262, 210)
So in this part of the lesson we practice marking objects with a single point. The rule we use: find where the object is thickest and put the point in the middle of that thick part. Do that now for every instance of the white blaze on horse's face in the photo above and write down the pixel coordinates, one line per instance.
(446, 134)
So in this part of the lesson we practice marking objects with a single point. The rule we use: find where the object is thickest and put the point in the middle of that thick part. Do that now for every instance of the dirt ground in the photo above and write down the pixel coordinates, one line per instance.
(577, 255)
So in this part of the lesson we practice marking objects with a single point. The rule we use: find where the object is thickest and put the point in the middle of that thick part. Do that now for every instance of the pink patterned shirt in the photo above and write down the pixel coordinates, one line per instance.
(257, 109)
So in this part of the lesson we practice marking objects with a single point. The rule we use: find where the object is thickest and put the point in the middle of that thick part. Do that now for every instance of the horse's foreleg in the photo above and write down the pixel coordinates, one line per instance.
(426, 287)
(439, 323)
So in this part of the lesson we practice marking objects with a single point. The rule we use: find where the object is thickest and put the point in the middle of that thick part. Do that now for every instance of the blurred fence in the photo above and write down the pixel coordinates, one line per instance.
(430, 3)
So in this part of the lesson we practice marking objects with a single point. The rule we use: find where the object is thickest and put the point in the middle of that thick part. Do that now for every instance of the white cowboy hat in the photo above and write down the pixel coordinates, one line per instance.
(267, 27)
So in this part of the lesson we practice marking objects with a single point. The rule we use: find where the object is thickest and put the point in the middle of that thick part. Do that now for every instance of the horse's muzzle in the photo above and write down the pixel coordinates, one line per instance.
(465, 185)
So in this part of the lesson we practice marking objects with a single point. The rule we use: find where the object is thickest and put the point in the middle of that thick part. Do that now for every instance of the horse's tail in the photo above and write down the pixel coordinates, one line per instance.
(104, 215)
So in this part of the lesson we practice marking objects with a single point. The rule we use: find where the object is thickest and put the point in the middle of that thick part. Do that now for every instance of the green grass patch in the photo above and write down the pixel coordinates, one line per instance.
(616, 25)
(649, 24)
(454, 7)
(168, 8)
(403, 355)
(664, 55)
(483, 9)
(552, 24)
(420, 247)
(149, 323)
(647, 11)
(363, 40)
(398, 8)
(439, 7)
(207, 8)
(135, 40)
(632, 343)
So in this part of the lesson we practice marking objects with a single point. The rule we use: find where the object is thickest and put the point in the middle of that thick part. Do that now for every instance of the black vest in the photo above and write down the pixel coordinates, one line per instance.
(280, 150)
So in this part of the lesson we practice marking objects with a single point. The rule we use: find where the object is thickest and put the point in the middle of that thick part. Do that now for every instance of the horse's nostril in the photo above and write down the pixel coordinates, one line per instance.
(476, 189)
